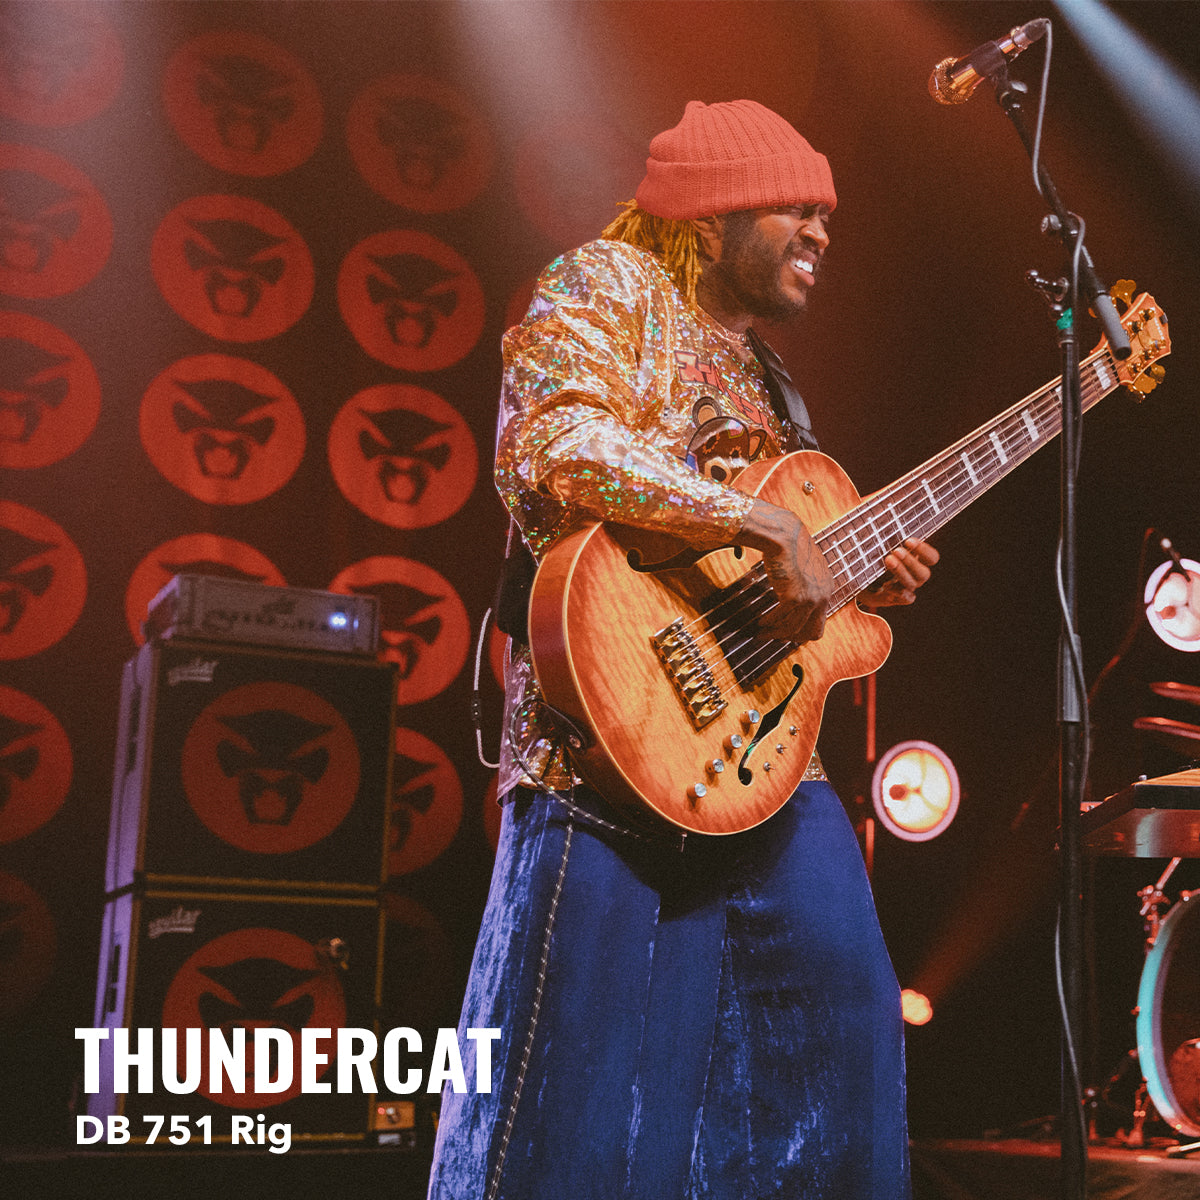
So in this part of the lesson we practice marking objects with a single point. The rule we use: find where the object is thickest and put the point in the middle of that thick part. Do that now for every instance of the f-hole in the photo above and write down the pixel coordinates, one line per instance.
(767, 725)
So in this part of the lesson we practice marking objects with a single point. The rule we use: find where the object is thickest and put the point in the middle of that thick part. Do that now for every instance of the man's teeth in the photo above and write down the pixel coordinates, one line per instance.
(803, 265)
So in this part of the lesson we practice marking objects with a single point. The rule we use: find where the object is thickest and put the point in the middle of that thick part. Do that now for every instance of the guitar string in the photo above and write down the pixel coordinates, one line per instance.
(910, 501)
(953, 483)
(763, 653)
(768, 652)
(950, 485)
(953, 486)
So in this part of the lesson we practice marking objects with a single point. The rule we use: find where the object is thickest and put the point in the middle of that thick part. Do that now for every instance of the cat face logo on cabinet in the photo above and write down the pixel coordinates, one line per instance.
(270, 767)
(257, 978)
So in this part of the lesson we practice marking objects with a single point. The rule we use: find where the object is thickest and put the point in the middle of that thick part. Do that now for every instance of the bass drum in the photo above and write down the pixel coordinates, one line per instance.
(1168, 1022)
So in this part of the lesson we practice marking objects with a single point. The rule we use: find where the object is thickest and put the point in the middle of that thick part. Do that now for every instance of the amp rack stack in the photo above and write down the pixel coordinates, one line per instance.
(246, 852)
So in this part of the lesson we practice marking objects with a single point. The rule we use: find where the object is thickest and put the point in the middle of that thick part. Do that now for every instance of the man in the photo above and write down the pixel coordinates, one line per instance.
(680, 1016)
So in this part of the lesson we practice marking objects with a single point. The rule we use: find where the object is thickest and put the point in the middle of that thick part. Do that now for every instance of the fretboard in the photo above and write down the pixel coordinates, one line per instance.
(926, 498)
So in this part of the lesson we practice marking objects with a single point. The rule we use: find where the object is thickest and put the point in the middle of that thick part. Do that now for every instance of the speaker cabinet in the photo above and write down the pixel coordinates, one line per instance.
(184, 960)
(251, 768)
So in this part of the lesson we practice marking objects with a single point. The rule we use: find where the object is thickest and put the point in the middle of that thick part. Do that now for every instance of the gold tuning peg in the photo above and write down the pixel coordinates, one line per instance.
(1146, 382)
(1123, 290)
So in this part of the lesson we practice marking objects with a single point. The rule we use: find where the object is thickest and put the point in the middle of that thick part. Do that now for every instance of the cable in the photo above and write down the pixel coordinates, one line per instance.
(1036, 153)
(1072, 1061)
(476, 699)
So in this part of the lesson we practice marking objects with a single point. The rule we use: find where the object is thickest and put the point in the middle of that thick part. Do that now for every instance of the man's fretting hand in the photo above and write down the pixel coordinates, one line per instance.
(908, 569)
(797, 570)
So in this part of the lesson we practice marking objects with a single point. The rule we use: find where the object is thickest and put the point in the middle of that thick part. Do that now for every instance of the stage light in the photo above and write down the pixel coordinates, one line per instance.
(1159, 97)
(915, 1007)
(915, 791)
(1173, 603)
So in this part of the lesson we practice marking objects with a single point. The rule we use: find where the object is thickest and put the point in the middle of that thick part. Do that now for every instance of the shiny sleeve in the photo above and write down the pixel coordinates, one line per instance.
(582, 412)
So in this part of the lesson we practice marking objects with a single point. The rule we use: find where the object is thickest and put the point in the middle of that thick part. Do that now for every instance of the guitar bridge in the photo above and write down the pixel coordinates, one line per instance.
(689, 673)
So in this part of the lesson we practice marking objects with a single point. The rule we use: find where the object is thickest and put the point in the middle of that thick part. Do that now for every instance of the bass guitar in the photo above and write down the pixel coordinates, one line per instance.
(678, 705)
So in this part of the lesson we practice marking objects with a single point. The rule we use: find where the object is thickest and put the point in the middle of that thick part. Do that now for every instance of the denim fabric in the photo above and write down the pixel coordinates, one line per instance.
(716, 1020)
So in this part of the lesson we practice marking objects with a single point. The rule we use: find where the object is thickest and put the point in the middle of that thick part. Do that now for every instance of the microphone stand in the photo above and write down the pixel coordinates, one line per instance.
(1064, 301)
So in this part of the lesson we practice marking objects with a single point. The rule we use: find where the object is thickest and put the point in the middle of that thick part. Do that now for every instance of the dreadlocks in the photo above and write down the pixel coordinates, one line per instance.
(677, 243)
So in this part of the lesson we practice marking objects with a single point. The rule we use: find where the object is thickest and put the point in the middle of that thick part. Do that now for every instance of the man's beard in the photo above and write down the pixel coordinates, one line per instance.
(748, 274)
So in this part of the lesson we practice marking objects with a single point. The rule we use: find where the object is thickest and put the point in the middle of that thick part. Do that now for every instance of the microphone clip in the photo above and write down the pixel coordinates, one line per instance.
(1054, 290)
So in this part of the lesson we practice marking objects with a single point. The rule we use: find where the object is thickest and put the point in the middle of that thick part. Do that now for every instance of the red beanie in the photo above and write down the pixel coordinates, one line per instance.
(727, 157)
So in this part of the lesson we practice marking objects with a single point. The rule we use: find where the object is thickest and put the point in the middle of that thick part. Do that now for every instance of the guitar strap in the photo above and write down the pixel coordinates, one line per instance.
(516, 583)
(786, 400)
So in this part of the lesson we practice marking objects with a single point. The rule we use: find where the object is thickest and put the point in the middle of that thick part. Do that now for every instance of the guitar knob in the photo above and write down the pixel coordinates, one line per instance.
(751, 717)
(715, 767)
(697, 792)
(732, 742)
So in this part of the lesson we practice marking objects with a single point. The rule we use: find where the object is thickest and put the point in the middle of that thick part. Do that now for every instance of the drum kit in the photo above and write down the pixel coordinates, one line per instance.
(1160, 818)
(1180, 736)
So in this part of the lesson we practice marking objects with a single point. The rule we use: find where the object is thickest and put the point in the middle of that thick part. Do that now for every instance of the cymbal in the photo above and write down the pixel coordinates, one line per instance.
(1179, 735)
(1177, 691)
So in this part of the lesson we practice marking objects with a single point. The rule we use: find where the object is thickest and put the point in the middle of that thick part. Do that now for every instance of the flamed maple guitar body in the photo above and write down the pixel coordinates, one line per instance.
(653, 652)
(593, 618)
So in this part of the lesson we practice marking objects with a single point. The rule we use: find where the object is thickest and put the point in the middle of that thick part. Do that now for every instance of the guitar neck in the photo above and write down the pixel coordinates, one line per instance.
(926, 498)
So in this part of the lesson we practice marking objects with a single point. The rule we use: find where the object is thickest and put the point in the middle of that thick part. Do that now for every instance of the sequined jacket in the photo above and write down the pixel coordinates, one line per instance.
(621, 402)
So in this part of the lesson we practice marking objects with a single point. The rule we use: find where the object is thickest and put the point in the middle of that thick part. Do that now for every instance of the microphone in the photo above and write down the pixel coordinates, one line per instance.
(954, 79)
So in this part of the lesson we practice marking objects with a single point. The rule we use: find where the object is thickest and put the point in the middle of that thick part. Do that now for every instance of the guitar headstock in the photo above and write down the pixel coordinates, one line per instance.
(1146, 325)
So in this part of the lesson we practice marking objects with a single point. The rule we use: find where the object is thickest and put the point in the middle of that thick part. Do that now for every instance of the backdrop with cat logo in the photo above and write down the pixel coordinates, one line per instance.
(249, 318)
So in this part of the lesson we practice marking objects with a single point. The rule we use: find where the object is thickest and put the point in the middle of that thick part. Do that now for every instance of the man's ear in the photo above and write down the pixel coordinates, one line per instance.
(712, 232)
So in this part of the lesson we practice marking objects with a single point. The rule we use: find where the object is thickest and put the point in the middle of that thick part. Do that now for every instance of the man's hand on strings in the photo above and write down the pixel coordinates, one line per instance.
(908, 568)
(796, 569)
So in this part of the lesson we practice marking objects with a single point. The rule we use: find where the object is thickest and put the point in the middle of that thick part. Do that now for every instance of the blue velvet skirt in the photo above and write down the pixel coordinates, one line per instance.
(716, 1017)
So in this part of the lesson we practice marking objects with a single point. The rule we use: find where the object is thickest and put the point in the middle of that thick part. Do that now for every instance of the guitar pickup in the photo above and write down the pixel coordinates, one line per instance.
(689, 672)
